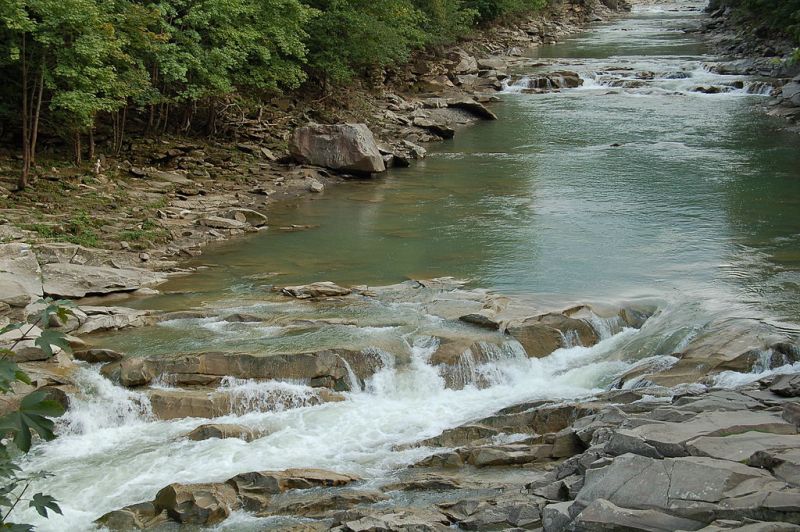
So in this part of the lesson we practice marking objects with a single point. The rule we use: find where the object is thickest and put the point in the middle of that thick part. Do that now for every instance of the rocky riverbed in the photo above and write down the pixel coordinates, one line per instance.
(698, 431)
(651, 458)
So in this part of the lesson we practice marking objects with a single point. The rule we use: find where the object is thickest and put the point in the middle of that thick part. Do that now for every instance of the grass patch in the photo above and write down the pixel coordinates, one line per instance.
(79, 229)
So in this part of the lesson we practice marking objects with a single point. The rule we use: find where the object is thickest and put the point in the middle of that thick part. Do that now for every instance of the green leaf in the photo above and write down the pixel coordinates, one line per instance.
(50, 338)
(14, 527)
(31, 417)
(10, 372)
(43, 502)
(10, 327)
(8, 469)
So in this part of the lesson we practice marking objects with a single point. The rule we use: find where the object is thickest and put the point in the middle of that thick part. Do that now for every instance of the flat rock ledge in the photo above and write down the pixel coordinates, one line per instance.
(649, 459)
(28, 273)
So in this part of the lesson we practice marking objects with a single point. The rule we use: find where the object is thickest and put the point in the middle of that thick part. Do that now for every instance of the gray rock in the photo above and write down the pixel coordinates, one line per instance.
(130, 371)
(791, 413)
(76, 281)
(783, 463)
(221, 431)
(690, 487)
(556, 517)
(786, 386)
(140, 516)
(23, 343)
(509, 455)
(670, 439)
(438, 128)
(218, 222)
(248, 216)
(343, 147)
(315, 290)
(382, 520)
(739, 447)
(20, 275)
(603, 515)
(94, 356)
(624, 442)
(197, 504)
(112, 318)
(473, 107)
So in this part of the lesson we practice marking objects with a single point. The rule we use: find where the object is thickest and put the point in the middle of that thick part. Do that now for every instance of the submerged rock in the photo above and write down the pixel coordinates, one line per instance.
(316, 290)
(221, 431)
(342, 147)
(563, 79)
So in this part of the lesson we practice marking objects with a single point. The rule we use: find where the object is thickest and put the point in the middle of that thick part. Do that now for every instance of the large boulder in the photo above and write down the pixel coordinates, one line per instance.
(197, 504)
(790, 93)
(342, 147)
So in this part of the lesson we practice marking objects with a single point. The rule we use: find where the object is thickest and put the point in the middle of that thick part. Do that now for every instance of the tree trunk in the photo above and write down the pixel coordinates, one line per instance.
(118, 148)
(26, 148)
(91, 144)
(76, 145)
(36, 114)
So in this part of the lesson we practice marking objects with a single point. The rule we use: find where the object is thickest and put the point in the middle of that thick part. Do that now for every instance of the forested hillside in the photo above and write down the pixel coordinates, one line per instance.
(69, 65)
(770, 16)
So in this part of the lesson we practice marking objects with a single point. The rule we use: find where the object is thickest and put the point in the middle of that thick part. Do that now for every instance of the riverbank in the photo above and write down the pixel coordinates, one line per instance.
(164, 199)
(751, 48)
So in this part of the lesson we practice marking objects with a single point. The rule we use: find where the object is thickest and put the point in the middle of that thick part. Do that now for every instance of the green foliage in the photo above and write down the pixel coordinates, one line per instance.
(776, 15)
(347, 37)
(74, 61)
(32, 417)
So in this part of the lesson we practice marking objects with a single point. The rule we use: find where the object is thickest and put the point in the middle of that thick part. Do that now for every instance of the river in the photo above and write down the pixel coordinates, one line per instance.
(631, 187)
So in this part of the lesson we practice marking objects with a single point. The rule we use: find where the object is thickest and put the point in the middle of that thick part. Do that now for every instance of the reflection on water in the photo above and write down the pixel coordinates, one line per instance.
(699, 198)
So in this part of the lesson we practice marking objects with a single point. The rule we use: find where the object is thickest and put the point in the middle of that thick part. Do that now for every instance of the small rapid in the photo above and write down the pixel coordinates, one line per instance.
(361, 435)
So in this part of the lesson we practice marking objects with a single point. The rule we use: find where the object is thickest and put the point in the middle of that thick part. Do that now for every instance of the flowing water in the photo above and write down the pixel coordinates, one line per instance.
(633, 186)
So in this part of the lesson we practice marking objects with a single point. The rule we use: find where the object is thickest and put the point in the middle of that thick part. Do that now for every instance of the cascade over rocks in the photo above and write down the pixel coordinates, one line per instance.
(341, 147)
(328, 368)
(620, 462)
(730, 345)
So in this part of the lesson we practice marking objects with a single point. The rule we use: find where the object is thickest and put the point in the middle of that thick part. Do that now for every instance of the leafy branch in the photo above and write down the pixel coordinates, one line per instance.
(32, 416)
